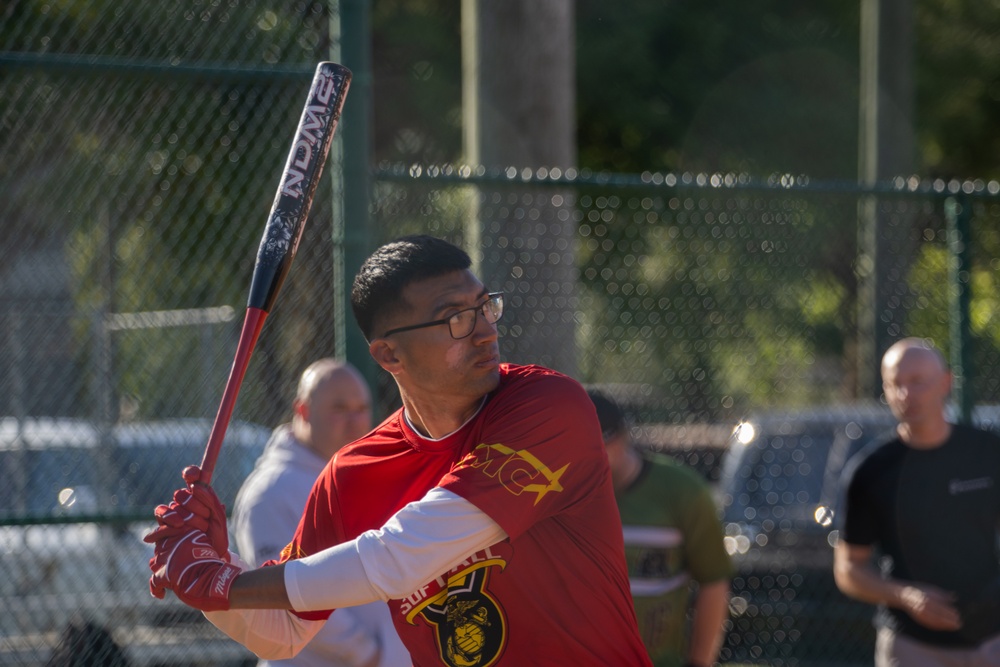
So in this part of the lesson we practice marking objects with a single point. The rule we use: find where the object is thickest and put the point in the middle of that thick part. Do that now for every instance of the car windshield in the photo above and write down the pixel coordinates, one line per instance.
(45, 476)
(132, 470)
(780, 478)
(784, 477)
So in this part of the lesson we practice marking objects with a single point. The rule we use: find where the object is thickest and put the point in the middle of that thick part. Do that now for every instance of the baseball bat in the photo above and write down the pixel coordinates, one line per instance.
(283, 232)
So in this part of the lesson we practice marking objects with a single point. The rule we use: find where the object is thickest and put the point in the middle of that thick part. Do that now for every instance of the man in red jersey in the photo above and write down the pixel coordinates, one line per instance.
(482, 512)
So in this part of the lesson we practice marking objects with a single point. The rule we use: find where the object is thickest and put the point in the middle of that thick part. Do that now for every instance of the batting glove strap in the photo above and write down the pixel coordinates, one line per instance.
(196, 573)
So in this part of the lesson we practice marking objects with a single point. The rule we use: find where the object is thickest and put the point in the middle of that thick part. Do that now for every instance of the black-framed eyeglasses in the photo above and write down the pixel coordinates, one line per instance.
(463, 323)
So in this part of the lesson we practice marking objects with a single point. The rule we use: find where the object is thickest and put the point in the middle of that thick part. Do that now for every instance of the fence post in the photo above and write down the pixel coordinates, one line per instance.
(958, 213)
(868, 267)
(350, 40)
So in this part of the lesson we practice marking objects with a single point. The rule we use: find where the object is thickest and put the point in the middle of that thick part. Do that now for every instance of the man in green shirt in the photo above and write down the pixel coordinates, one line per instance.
(673, 538)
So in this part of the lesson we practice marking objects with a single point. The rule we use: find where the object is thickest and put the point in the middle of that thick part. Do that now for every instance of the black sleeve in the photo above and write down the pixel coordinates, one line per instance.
(855, 513)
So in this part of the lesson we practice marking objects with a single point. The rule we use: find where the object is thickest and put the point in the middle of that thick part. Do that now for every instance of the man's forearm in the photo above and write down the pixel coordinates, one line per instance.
(263, 588)
(858, 579)
(864, 584)
(711, 607)
(340, 576)
(928, 605)
(258, 619)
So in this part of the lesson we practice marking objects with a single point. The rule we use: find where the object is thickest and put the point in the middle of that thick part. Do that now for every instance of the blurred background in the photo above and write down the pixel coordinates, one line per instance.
(718, 212)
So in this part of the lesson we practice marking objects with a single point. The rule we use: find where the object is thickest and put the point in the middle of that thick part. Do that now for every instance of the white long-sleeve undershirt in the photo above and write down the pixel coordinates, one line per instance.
(418, 543)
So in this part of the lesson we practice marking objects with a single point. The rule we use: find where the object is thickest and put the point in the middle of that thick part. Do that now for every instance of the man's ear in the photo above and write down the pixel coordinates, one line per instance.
(384, 353)
(300, 409)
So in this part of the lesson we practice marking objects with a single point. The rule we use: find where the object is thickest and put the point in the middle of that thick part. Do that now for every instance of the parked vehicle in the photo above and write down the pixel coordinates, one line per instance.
(75, 500)
(778, 495)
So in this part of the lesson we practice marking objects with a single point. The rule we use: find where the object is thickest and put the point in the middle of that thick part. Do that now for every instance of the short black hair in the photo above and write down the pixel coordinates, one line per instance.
(608, 414)
(378, 287)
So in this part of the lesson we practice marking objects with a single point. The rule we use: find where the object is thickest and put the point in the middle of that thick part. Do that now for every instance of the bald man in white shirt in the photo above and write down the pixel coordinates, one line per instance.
(332, 407)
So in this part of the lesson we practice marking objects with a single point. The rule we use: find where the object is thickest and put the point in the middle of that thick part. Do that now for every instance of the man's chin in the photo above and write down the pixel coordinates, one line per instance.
(491, 380)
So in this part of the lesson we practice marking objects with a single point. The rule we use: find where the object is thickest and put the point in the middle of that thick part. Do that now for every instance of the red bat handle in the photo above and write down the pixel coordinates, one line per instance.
(298, 184)
(252, 325)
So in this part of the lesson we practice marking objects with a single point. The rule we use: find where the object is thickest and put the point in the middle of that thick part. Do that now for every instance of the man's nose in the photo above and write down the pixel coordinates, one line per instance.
(484, 328)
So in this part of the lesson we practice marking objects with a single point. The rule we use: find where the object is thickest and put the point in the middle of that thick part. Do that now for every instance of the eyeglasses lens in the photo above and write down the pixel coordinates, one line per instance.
(463, 323)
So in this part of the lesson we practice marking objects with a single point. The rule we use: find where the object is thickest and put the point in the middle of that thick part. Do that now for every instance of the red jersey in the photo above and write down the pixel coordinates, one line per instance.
(556, 592)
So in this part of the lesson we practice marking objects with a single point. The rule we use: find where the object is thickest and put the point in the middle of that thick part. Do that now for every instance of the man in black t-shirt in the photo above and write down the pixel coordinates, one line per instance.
(925, 500)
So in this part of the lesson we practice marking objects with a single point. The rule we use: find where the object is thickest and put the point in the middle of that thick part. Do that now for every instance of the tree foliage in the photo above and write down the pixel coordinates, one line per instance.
(957, 71)
(734, 88)
(689, 86)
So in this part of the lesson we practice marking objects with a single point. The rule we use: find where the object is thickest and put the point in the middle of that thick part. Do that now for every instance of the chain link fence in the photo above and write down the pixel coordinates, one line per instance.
(702, 302)
(715, 295)
(142, 147)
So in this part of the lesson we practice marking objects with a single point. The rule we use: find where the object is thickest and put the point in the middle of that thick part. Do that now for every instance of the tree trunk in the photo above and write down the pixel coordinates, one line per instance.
(519, 99)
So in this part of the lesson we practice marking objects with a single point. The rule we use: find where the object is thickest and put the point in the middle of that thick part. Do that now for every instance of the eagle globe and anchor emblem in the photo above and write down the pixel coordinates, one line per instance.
(468, 622)
(470, 626)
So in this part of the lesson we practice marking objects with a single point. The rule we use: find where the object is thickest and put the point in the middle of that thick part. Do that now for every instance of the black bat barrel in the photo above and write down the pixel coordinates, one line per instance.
(298, 183)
